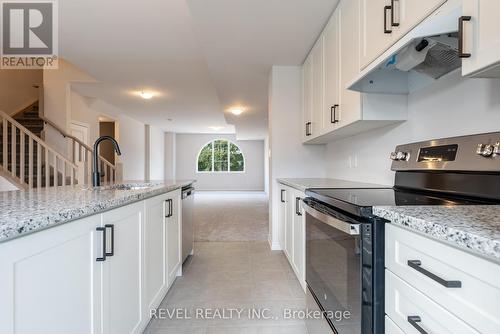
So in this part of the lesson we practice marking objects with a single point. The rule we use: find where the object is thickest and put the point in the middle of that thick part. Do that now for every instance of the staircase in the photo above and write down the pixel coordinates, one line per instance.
(29, 162)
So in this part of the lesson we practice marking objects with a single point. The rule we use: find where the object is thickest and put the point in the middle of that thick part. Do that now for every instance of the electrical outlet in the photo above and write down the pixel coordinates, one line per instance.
(349, 162)
(355, 161)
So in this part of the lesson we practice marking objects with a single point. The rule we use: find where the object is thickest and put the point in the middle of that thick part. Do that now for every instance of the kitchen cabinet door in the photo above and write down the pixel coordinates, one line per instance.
(50, 280)
(282, 215)
(376, 33)
(350, 107)
(122, 270)
(174, 237)
(481, 39)
(299, 239)
(318, 88)
(408, 13)
(332, 73)
(155, 251)
(307, 97)
(289, 224)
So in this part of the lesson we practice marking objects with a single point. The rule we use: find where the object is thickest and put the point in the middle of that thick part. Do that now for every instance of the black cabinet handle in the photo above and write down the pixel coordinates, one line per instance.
(386, 31)
(416, 264)
(282, 193)
(308, 128)
(169, 205)
(103, 230)
(333, 114)
(112, 227)
(461, 21)
(414, 320)
(393, 21)
(297, 206)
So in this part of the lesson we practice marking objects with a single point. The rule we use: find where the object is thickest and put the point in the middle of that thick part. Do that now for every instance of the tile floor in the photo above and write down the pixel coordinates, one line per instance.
(238, 276)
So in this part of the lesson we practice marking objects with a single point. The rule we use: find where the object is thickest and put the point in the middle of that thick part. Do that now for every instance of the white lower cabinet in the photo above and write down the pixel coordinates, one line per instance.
(102, 274)
(50, 281)
(122, 270)
(293, 224)
(451, 291)
(174, 238)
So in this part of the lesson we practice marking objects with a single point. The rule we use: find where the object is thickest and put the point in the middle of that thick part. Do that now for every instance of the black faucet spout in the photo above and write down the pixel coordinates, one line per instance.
(96, 175)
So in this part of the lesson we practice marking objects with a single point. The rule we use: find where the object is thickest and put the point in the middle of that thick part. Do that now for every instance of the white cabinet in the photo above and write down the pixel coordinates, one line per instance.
(332, 73)
(122, 270)
(307, 98)
(174, 237)
(481, 38)
(293, 225)
(345, 112)
(100, 274)
(384, 22)
(299, 238)
(432, 267)
(50, 280)
(155, 250)
(318, 88)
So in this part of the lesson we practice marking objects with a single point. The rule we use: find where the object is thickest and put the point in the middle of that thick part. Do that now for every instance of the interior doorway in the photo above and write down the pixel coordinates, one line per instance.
(106, 150)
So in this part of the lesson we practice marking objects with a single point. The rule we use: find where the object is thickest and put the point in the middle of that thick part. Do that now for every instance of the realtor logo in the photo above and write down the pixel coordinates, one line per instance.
(29, 34)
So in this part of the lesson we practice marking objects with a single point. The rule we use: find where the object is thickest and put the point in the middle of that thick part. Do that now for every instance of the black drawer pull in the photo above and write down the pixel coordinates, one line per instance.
(308, 129)
(414, 320)
(297, 206)
(103, 230)
(386, 31)
(112, 227)
(416, 264)
(461, 21)
(333, 114)
(282, 197)
(393, 21)
(169, 210)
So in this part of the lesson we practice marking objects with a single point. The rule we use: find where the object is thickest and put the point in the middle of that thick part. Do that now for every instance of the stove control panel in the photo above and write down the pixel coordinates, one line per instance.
(478, 153)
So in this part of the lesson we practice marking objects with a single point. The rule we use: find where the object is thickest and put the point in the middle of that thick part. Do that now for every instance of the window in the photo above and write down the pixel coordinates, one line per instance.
(221, 155)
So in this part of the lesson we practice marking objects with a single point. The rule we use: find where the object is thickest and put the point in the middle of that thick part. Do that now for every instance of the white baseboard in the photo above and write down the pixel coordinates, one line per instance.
(273, 245)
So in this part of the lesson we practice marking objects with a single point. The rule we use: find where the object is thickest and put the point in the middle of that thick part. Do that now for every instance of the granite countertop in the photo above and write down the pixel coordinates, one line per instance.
(475, 228)
(311, 183)
(27, 211)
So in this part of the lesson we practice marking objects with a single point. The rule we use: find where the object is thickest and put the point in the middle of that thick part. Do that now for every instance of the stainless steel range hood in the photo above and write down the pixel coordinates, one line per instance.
(422, 56)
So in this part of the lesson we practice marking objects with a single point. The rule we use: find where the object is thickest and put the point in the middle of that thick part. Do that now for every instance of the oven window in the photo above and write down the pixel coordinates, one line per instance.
(333, 263)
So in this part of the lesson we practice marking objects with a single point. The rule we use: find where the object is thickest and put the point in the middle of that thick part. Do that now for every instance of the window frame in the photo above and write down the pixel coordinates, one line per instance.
(213, 171)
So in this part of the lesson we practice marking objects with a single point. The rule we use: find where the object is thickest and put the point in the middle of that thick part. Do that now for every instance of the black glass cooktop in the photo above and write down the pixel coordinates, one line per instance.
(361, 201)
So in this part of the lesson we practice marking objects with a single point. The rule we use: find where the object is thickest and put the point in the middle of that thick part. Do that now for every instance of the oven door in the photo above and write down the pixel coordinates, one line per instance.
(333, 267)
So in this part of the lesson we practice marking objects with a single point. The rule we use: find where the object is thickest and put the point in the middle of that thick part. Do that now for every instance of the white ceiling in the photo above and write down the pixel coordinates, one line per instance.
(202, 57)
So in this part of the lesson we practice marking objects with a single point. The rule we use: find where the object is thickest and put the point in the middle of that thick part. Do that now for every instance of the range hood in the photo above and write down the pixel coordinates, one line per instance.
(419, 58)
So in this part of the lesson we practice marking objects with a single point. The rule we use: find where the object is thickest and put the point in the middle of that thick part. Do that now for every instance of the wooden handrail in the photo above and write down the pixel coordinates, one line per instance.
(67, 135)
(35, 138)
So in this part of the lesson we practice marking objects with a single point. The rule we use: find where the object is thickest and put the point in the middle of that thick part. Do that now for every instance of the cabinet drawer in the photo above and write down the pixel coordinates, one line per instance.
(476, 301)
(391, 327)
(403, 301)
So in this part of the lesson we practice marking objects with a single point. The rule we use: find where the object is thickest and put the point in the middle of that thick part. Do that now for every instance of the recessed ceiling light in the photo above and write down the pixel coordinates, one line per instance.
(216, 128)
(146, 95)
(237, 111)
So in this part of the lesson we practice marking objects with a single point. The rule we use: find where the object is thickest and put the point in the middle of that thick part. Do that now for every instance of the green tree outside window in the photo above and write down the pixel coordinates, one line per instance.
(221, 155)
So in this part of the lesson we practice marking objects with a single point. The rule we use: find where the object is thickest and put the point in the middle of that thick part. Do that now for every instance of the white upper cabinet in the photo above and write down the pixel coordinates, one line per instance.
(332, 73)
(318, 87)
(384, 22)
(481, 38)
(307, 98)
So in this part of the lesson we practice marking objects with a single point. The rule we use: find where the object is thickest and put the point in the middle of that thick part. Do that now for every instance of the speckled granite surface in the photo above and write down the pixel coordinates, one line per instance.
(473, 228)
(27, 211)
(319, 183)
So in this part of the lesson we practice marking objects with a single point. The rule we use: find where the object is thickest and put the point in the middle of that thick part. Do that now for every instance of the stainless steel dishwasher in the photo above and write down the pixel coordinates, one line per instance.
(187, 221)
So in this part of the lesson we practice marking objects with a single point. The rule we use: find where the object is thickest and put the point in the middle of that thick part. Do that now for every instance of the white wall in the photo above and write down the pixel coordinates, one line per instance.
(288, 157)
(156, 153)
(452, 106)
(16, 89)
(170, 155)
(188, 147)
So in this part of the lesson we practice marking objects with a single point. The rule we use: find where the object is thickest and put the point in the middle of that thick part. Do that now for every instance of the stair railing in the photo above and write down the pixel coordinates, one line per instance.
(50, 169)
(81, 155)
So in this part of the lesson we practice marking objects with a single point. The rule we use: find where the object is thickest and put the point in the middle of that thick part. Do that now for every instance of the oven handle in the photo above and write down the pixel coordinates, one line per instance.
(352, 229)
